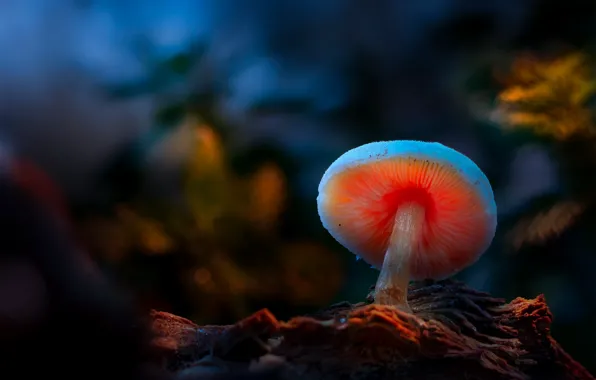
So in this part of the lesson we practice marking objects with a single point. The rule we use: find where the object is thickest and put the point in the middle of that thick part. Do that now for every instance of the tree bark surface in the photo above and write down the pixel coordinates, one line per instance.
(455, 332)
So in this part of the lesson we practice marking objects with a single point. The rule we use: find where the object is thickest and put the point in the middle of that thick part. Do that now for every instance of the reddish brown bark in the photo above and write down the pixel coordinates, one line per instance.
(455, 333)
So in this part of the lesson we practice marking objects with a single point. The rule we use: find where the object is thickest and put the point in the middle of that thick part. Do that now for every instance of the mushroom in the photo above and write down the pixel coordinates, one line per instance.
(415, 210)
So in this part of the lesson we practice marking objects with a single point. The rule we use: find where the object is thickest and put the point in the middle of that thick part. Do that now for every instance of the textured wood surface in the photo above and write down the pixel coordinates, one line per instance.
(455, 333)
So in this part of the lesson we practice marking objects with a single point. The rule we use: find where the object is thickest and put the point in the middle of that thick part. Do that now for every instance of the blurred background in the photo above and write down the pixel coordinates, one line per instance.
(185, 140)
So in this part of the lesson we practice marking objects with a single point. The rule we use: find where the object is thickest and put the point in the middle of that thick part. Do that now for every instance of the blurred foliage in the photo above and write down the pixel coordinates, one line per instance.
(551, 218)
(226, 228)
(223, 229)
(550, 96)
(544, 99)
(553, 98)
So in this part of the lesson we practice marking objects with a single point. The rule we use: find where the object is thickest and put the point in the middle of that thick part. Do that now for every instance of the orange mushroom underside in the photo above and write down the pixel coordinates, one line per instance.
(361, 203)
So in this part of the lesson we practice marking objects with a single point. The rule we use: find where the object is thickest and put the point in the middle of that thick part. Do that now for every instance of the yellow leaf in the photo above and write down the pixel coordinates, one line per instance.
(267, 195)
(208, 151)
(207, 183)
(584, 92)
(149, 234)
(153, 238)
(520, 94)
(549, 96)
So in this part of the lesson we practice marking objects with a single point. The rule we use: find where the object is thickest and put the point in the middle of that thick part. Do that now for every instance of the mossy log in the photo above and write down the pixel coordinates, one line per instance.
(455, 333)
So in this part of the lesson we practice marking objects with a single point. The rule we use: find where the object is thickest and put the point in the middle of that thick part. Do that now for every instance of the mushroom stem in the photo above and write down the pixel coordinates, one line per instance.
(392, 284)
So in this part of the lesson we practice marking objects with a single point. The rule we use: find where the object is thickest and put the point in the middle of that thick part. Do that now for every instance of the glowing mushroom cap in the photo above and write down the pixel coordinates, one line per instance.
(361, 192)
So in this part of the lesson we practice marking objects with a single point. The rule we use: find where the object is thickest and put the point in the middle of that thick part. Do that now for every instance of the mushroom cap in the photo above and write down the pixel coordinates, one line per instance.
(363, 189)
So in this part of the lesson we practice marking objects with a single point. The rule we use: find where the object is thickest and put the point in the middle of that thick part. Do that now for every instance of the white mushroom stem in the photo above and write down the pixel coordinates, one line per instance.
(392, 284)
